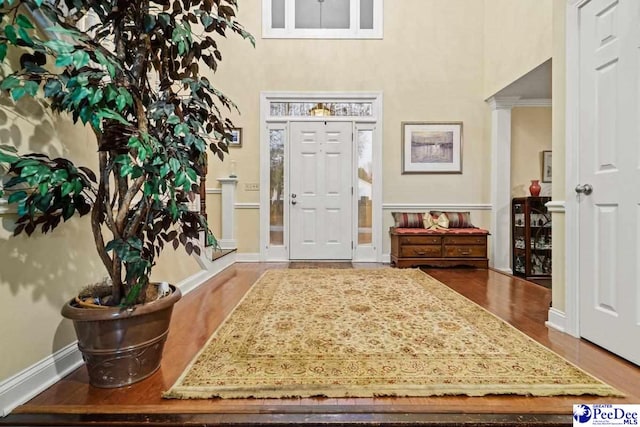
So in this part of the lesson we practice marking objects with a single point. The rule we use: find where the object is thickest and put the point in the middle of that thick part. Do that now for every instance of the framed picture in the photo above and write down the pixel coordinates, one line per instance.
(431, 147)
(546, 166)
(236, 137)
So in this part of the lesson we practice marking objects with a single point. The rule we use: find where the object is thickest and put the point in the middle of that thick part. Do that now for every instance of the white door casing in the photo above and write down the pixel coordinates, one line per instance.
(320, 190)
(608, 139)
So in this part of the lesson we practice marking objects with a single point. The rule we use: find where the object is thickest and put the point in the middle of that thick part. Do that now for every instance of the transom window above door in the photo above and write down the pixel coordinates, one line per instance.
(322, 19)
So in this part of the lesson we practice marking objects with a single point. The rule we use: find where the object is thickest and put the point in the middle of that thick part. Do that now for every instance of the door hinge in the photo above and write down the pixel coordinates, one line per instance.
(352, 245)
(352, 190)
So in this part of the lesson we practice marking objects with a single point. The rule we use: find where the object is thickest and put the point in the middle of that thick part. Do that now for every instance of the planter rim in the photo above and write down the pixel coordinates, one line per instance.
(114, 313)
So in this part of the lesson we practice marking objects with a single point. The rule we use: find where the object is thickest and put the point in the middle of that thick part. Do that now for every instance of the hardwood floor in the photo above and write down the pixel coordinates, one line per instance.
(523, 304)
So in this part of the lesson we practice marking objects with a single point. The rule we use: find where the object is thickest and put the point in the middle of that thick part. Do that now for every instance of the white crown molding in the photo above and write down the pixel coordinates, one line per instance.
(503, 102)
(540, 102)
(247, 205)
(214, 190)
(437, 206)
(555, 206)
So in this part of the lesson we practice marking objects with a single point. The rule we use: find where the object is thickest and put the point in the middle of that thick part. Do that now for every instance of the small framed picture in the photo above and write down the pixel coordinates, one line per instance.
(546, 166)
(236, 137)
(431, 147)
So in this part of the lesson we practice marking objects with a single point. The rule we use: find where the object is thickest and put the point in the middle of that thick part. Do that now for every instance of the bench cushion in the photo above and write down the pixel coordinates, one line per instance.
(447, 231)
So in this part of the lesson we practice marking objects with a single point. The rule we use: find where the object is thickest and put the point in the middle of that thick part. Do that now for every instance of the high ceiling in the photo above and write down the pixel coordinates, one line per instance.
(536, 84)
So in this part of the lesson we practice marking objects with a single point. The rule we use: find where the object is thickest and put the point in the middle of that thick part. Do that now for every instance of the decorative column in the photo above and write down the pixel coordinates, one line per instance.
(500, 258)
(228, 202)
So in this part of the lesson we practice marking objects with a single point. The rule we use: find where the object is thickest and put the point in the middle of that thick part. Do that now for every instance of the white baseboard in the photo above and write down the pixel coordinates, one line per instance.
(213, 268)
(504, 270)
(227, 243)
(248, 257)
(557, 320)
(25, 385)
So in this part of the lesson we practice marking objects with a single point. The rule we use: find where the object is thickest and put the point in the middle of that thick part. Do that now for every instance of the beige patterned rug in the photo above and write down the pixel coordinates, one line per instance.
(363, 333)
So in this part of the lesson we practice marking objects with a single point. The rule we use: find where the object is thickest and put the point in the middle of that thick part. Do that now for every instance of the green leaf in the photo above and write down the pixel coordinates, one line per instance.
(181, 177)
(23, 22)
(3, 51)
(80, 58)
(59, 175)
(43, 188)
(173, 120)
(192, 175)
(29, 170)
(174, 164)
(31, 87)
(10, 33)
(96, 97)
(164, 170)
(64, 59)
(149, 23)
(17, 196)
(52, 87)
(25, 36)
(18, 92)
(59, 46)
(110, 114)
(181, 129)
(79, 94)
(121, 102)
(8, 158)
(10, 82)
(67, 187)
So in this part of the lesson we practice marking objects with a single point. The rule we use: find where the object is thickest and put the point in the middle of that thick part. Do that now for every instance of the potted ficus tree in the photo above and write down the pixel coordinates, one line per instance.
(133, 72)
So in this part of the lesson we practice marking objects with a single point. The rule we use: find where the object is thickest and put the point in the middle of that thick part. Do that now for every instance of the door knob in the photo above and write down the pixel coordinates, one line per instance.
(585, 189)
(293, 202)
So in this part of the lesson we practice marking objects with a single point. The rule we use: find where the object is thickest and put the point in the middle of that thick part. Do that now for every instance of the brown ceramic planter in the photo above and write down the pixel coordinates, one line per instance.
(121, 347)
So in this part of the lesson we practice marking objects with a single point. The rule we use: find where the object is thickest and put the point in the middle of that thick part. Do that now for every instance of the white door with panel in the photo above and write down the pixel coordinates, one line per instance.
(608, 191)
(320, 190)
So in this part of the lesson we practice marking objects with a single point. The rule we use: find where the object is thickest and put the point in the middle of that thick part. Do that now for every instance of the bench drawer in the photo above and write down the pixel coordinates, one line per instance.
(424, 251)
(420, 240)
(465, 251)
(465, 240)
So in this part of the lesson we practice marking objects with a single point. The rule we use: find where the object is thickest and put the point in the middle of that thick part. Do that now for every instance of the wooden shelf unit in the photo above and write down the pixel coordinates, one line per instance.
(531, 237)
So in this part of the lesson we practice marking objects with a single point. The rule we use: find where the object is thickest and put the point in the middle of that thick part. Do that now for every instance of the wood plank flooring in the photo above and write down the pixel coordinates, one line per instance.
(523, 304)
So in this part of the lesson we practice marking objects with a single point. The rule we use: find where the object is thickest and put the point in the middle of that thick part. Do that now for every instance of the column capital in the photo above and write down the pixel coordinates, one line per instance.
(228, 180)
(503, 102)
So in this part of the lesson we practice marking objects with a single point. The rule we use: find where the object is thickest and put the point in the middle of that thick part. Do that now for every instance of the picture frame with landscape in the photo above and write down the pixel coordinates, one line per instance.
(236, 137)
(431, 147)
(546, 166)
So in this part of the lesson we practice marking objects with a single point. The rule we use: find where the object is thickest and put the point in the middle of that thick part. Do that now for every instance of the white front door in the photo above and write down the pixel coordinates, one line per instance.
(320, 187)
(609, 141)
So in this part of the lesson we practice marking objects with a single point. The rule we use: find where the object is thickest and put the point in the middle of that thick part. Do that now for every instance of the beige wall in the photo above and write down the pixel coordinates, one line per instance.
(517, 38)
(530, 135)
(438, 77)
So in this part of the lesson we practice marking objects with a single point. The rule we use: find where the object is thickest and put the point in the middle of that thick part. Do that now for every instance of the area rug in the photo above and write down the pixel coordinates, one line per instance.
(363, 333)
